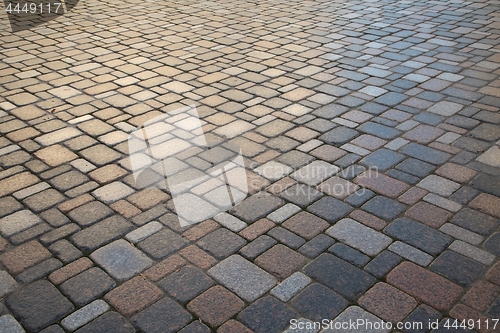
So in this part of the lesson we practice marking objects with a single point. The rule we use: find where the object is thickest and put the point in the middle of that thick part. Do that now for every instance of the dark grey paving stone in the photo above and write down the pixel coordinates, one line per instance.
(267, 315)
(457, 268)
(403, 176)
(330, 209)
(65, 251)
(90, 213)
(330, 111)
(373, 108)
(162, 244)
(38, 305)
(464, 195)
(429, 118)
(349, 254)
(463, 157)
(416, 167)
(195, 327)
(476, 221)
(221, 243)
(382, 159)
(493, 244)
(494, 310)
(347, 160)
(317, 302)
(379, 130)
(157, 212)
(471, 144)
(425, 154)
(384, 208)
(101, 233)
(383, 264)
(418, 235)
(39, 271)
(110, 322)
(342, 277)
(391, 98)
(301, 194)
(53, 329)
(186, 284)
(316, 246)
(88, 286)
(286, 237)
(257, 247)
(422, 314)
(339, 135)
(359, 197)
(463, 122)
(256, 207)
(487, 183)
(350, 101)
(165, 316)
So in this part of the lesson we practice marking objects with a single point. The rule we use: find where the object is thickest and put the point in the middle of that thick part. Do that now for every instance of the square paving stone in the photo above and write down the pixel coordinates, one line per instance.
(422, 314)
(425, 286)
(100, 155)
(305, 225)
(216, 305)
(256, 207)
(162, 244)
(383, 264)
(439, 185)
(423, 134)
(315, 172)
(387, 302)
(428, 214)
(24, 256)
(384, 208)
(165, 316)
(121, 260)
(391, 98)
(382, 159)
(267, 315)
(87, 286)
(133, 296)
(221, 243)
(38, 305)
(317, 302)
(342, 277)
(339, 135)
(457, 268)
(90, 213)
(416, 234)
(242, 277)
(17, 222)
(186, 284)
(316, 245)
(301, 194)
(110, 322)
(486, 132)
(330, 209)
(280, 261)
(359, 236)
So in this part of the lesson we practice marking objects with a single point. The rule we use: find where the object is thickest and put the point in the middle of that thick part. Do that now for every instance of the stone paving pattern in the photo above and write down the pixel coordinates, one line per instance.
(396, 102)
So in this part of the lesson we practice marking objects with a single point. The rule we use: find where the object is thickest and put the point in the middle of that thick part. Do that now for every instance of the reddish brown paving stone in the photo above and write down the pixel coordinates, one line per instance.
(70, 270)
(493, 274)
(456, 172)
(280, 261)
(148, 198)
(24, 256)
(481, 295)
(428, 214)
(200, 230)
(487, 203)
(125, 208)
(382, 184)
(306, 225)
(412, 196)
(256, 229)
(133, 296)
(198, 257)
(424, 285)
(233, 326)
(463, 312)
(387, 302)
(216, 305)
(165, 267)
(368, 219)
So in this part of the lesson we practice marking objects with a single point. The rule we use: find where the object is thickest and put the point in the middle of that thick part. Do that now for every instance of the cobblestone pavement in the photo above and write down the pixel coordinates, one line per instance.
(396, 101)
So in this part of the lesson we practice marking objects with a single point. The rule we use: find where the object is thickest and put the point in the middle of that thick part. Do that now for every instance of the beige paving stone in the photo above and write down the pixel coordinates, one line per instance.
(17, 182)
(58, 136)
(56, 155)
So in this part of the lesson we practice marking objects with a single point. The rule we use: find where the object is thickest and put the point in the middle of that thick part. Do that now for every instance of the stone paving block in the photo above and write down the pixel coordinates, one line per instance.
(344, 278)
(267, 315)
(9, 205)
(233, 326)
(216, 305)
(458, 268)
(283, 213)
(186, 284)
(315, 172)
(382, 159)
(17, 182)
(256, 229)
(425, 153)
(339, 135)
(112, 192)
(475, 221)
(108, 322)
(409, 252)
(316, 246)
(438, 185)
(286, 237)
(425, 286)
(473, 252)
(290, 286)
(428, 214)
(280, 261)
(354, 313)
(349, 254)
(7, 284)
(381, 183)
(87, 286)
(17, 222)
(101, 233)
(44, 200)
(39, 271)
(84, 315)
(418, 235)
(162, 244)
(317, 302)
(121, 260)
(221, 243)
(305, 225)
(330, 209)
(232, 223)
(301, 194)
(258, 246)
(242, 277)
(143, 232)
(90, 213)
(38, 305)
(24, 256)
(490, 157)
(133, 296)
(481, 295)
(58, 136)
(383, 207)
(9, 324)
(449, 205)
(359, 236)
(256, 206)
(492, 244)
(195, 327)
(383, 264)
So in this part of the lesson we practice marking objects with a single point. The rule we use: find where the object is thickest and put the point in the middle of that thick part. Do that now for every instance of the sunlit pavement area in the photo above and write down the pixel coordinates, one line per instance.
(370, 137)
